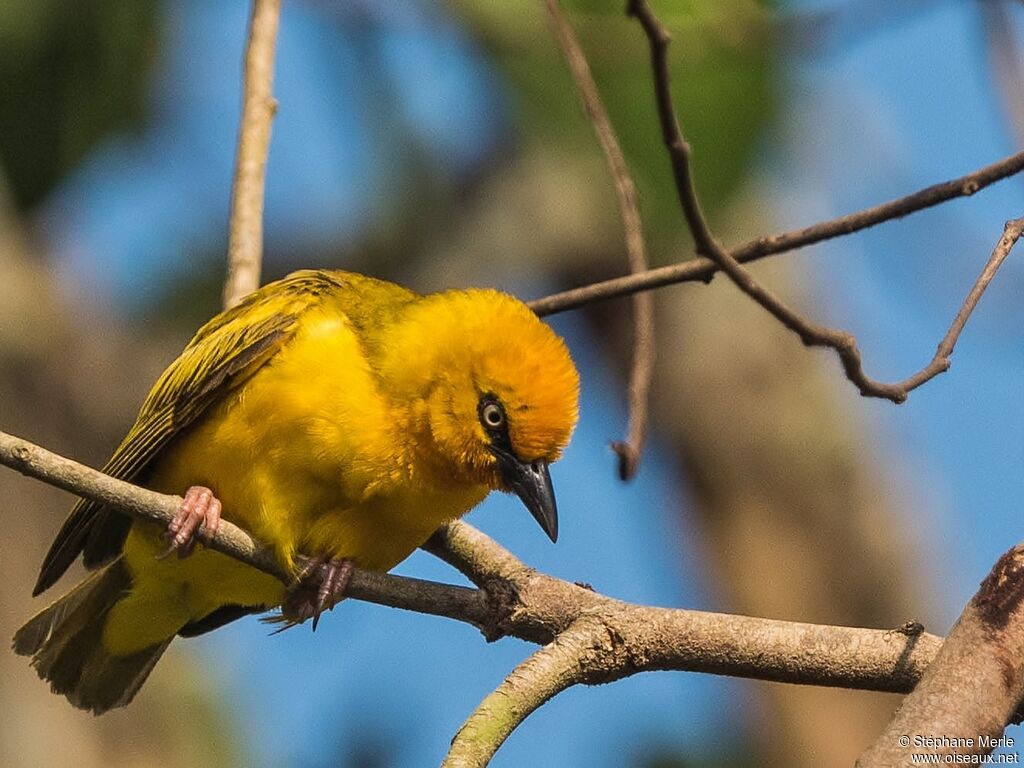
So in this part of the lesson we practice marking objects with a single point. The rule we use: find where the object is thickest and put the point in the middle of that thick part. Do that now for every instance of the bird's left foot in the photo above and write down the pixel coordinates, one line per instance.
(198, 517)
(319, 585)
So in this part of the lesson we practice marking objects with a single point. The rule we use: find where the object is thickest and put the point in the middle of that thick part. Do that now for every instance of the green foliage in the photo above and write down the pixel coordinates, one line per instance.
(725, 78)
(70, 74)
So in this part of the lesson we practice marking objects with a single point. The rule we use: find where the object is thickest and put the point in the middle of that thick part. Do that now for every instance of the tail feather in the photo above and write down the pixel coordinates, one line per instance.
(65, 643)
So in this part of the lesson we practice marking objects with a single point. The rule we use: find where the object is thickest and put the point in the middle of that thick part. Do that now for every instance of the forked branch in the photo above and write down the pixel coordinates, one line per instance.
(844, 344)
(974, 686)
(703, 269)
(513, 599)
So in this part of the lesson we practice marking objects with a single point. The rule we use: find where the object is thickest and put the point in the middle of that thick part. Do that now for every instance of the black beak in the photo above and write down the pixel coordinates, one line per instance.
(531, 482)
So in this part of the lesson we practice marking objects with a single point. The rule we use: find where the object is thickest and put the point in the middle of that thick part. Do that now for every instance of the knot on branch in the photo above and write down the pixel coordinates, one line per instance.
(894, 393)
(680, 147)
(502, 603)
(845, 343)
(23, 456)
(607, 656)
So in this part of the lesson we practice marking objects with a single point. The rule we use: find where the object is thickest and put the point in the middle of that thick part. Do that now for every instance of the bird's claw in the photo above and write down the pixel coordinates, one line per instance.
(319, 585)
(198, 517)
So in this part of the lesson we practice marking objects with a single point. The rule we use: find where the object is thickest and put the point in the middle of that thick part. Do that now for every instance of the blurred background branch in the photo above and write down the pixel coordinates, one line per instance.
(1007, 66)
(245, 230)
(642, 366)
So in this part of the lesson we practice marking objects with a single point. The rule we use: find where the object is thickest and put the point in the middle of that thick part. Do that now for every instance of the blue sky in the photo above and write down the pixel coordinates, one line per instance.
(909, 106)
(905, 106)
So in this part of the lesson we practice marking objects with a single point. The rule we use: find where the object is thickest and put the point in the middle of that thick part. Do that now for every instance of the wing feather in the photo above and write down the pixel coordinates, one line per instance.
(222, 355)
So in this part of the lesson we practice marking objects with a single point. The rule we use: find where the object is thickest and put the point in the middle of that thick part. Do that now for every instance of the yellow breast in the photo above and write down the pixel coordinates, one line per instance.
(309, 456)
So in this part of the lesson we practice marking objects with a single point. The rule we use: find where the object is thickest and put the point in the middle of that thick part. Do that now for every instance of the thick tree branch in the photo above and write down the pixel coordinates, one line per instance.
(974, 686)
(245, 235)
(517, 600)
(464, 604)
(642, 368)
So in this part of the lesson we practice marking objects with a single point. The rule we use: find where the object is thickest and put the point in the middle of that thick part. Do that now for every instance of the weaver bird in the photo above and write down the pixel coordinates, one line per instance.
(339, 419)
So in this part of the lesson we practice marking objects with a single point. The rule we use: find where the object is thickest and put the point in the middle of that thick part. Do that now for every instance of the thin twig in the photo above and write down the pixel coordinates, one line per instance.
(679, 150)
(515, 600)
(940, 362)
(812, 335)
(245, 235)
(974, 686)
(702, 270)
(642, 367)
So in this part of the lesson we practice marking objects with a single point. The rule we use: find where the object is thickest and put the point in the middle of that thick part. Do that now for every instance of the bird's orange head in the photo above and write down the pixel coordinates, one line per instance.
(498, 392)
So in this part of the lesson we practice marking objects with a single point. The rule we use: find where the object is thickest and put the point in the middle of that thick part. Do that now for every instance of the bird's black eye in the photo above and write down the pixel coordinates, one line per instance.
(492, 415)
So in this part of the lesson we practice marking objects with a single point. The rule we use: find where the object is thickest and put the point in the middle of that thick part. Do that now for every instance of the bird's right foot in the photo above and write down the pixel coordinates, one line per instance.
(198, 517)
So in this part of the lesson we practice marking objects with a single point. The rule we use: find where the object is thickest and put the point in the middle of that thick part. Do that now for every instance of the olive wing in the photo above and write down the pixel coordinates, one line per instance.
(222, 355)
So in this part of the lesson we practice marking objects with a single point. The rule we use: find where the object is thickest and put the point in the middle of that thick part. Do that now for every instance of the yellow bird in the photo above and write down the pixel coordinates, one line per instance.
(338, 418)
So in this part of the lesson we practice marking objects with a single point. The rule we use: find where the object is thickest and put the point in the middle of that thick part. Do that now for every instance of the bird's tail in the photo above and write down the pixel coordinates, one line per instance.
(65, 643)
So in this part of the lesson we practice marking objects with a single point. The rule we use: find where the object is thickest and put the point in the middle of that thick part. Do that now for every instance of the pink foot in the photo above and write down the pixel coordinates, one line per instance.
(198, 517)
(319, 585)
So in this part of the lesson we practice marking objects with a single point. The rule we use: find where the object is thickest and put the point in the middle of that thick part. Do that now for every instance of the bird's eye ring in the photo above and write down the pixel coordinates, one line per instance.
(492, 416)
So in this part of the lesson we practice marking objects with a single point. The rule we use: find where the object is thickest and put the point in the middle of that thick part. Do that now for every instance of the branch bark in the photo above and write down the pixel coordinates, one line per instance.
(516, 600)
(554, 668)
(974, 686)
(245, 236)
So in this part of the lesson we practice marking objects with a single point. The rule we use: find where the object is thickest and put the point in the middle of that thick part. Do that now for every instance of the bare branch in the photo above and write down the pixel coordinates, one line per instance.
(812, 335)
(678, 148)
(642, 368)
(517, 600)
(703, 270)
(468, 605)
(940, 362)
(245, 237)
(557, 666)
(975, 684)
